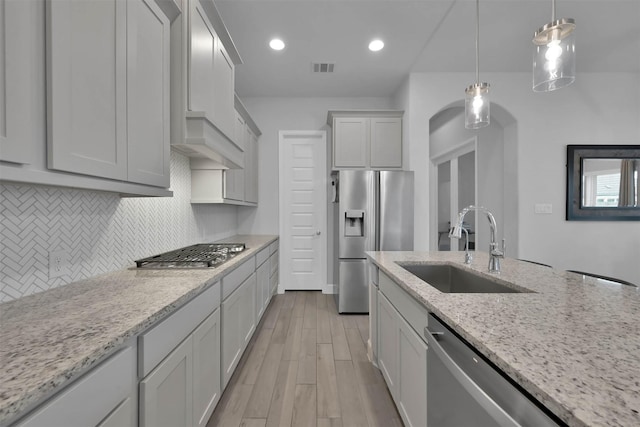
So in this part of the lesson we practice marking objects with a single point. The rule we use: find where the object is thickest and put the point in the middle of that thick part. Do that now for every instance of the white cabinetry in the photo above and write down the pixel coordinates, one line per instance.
(211, 183)
(166, 394)
(17, 48)
(238, 324)
(180, 363)
(274, 260)
(366, 139)
(251, 167)
(388, 343)
(263, 290)
(207, 387)
(104, 396)
(108, 89)
(203, 62)
(402, 353)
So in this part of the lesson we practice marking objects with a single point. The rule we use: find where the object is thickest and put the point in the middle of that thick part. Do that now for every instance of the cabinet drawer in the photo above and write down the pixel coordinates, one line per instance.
(90, 399)
(274, 262)
(414, 313)
(231, 281)
(262, 256)
(156, 343)
(273, 247)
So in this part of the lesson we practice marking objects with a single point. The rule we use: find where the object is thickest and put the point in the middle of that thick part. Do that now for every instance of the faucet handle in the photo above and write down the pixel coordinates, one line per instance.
(504, 247)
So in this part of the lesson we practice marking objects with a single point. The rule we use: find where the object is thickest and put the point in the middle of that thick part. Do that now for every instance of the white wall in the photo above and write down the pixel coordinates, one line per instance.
(596, 109)
(101, 231)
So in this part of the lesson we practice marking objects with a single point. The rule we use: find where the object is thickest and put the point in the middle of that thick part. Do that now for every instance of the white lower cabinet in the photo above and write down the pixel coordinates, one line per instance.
(185, 387)
(388, 343)
(106, 396)
(373, 323)
(263, 291)
(166, 394)
(412, 376)
(206, 368)
(238, 324)
(402, 353)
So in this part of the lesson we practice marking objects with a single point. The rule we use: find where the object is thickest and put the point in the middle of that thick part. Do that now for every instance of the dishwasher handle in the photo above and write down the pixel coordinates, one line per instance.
(501, 417)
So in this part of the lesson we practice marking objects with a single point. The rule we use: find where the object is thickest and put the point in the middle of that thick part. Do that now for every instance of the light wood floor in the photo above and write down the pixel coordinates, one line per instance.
(305, 366)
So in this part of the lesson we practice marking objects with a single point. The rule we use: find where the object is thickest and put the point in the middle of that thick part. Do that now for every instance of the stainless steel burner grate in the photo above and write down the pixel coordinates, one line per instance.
(196, 256)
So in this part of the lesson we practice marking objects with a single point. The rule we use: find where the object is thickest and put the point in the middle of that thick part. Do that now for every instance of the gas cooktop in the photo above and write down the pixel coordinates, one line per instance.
(203, 255)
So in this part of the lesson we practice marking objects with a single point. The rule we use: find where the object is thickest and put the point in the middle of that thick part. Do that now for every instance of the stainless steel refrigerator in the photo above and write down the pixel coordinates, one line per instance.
(373, 211)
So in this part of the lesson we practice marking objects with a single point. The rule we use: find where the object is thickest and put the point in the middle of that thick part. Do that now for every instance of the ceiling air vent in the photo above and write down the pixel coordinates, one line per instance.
(322, 67)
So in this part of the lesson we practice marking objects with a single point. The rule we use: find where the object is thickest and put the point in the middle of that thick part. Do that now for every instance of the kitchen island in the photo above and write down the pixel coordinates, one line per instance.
(573, 343)
(49, 339)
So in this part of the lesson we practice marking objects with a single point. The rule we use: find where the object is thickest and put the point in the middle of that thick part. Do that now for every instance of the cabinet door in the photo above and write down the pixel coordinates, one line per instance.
(17, 66)
(234, 184)
(224, 87)
(412, 376)
(373, 322)
(386, 142)
(206, 368)
(248, 317)
(86, 83)
(231, 334)
(251, 167)
(201, 51)
(148, 39)
(350, 140)
(234, 178)
(388, 343)
(263, 293)
(166, 394)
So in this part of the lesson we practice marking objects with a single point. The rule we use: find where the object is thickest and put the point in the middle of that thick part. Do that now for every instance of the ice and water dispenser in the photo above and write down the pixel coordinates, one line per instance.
(353, 223)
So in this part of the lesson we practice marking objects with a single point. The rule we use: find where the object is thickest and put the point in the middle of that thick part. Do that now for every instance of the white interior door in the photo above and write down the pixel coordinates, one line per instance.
(303, 212)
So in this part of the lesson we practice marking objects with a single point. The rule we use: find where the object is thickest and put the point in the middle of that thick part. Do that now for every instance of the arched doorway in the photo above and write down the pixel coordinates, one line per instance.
(473, 167)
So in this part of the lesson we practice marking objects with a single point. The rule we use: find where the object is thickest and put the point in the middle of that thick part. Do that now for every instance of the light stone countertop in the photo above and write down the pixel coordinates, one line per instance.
(50, 338)
(574, 343)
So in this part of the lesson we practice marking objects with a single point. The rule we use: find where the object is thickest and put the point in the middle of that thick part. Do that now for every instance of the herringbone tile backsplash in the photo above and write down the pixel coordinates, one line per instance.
(101, 231)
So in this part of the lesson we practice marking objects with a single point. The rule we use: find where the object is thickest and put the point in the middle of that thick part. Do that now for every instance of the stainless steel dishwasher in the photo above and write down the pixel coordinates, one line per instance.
(464, 390)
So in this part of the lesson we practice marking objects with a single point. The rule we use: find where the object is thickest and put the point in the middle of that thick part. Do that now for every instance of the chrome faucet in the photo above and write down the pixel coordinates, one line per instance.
(494, 253)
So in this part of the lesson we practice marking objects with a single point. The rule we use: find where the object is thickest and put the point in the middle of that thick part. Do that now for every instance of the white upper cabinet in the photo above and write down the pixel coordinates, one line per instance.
(350, 137)
(108, 89)
(202, 47)
(203, 86)
(16, 93)
(366, 139)
(86, 81)
(148, 80)
(251, 168)
(211, 183)
(386, 142)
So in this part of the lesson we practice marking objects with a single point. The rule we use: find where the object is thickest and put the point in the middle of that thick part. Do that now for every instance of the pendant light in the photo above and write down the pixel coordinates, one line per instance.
(476, 104)
(554, 54)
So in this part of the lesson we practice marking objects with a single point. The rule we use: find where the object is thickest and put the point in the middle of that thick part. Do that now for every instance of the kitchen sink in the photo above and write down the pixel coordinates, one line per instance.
(454, 280)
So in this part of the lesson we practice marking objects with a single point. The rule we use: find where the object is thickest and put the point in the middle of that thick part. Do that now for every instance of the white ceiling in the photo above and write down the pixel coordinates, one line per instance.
(419, 36)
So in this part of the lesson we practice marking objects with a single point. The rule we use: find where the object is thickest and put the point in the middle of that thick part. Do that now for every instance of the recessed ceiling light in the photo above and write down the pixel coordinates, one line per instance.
(376, 45)
(276, 44)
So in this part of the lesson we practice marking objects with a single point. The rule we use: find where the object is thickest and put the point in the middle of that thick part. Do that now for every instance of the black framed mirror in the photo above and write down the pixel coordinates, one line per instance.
(602, 182)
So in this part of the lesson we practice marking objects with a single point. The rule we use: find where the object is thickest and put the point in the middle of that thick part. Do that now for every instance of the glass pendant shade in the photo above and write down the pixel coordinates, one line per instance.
(554, 56)
(477, 106)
